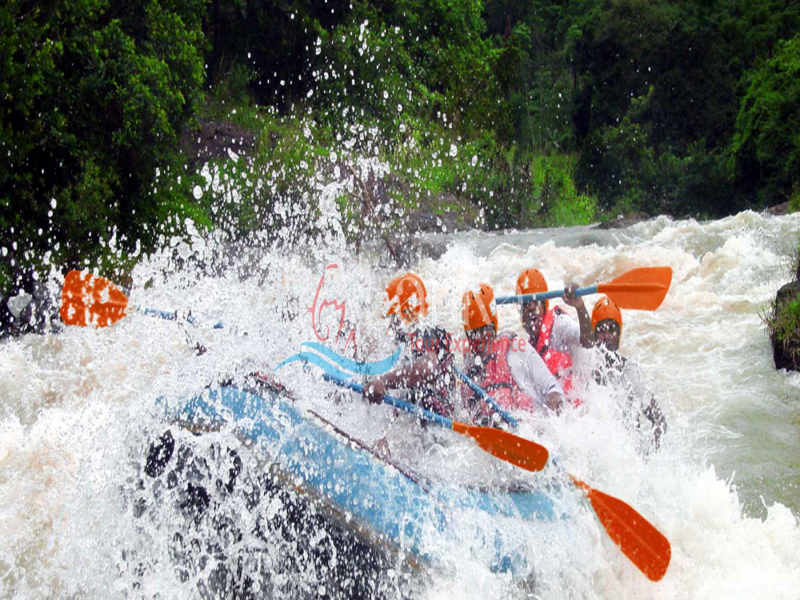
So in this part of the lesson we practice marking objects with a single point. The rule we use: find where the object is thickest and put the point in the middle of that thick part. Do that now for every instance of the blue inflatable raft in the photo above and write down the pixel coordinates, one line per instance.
(381, 503)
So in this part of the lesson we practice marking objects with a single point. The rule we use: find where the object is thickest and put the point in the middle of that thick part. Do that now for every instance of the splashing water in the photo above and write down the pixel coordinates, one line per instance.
(77, 413)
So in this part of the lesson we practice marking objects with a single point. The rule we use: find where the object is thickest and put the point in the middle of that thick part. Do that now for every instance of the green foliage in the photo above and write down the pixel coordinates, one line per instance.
(386, 65)
(787, 325)
(684, 55)
(629, 173)
(272, 40)
(94, 95)
(231, 100)
(766, 147)
(6, 278)
(454, 60)
(366, 76)
(539, 113)
(271, 190)
(686, 59)
(560, 205)
(618, 161)
(794, 201)
(536, 74)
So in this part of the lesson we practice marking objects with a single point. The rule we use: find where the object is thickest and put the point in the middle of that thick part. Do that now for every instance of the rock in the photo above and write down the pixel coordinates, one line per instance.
(6, 318)
(625, 221)
(778, 210)
(18, 303)
(407, 250)
(785, 353)
(788, 292)
(29, 312)
(430, 249)
(461, 216)
(423, 222)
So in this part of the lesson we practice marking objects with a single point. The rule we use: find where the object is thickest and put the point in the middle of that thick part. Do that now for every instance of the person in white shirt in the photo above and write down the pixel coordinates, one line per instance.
(504, 365)
(551, 331)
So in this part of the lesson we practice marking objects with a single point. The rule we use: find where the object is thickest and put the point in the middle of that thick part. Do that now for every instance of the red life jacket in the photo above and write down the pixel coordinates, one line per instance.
(497, 381)
(559, 363)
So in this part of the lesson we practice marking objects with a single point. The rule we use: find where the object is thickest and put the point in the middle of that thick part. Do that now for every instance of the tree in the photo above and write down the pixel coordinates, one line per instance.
(93, 96)
(766, 147)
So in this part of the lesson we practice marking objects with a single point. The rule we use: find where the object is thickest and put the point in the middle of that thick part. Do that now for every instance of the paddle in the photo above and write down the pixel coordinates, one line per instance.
(641, 542)
(92, 301)
(640, 289)
(501, 444)
(491, 401)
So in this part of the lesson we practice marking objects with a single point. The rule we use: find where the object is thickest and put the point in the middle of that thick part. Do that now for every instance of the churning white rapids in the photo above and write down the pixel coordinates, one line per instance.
(77, 413)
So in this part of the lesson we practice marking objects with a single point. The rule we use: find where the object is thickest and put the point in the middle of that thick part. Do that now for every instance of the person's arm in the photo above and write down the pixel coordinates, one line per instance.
(584, 320)
(424, 369)
(534, 378)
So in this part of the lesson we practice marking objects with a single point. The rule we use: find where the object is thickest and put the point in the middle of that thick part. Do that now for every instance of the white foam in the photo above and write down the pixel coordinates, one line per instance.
(77, 410)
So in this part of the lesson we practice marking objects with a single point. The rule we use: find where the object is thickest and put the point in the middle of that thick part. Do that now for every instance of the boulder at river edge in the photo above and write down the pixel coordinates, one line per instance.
(785, 343)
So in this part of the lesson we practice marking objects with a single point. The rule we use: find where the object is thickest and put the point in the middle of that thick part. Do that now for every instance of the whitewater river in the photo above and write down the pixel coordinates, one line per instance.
(77, 412)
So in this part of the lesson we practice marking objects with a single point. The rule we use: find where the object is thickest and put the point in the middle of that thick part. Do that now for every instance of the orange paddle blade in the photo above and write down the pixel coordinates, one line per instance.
(640, 289)
(643, 544)
(506, 446)
(91, 301)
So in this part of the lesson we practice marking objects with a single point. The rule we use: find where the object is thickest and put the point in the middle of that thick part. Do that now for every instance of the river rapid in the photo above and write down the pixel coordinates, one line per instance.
(77, 412)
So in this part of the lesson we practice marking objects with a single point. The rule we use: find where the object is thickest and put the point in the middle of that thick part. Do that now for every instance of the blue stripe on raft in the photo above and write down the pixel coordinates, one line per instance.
(375, 368)
(314, 359)
(390, 504)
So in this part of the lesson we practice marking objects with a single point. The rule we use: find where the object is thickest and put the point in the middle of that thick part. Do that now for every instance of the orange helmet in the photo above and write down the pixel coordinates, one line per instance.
(604, 309)
(407, 297)
(531, 281)
(480, 309)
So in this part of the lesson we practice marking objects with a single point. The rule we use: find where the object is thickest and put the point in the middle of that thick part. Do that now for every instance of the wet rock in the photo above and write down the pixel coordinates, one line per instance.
(417, 249)
(404, 251)
(16, 304)
(423, 221)
(390, 194)
(28, 312)
(426, 222)
(779, 209)
(625, 221)
(785, 348)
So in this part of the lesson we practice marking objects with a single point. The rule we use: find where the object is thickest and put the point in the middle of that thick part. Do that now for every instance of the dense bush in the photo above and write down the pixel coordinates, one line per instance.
(658, 99)
(93, 96)
(539, 112)
(766, 146)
